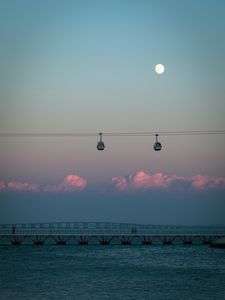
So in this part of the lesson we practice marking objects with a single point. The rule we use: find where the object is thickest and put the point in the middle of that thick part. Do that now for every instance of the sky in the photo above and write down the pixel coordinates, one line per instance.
(88, 67)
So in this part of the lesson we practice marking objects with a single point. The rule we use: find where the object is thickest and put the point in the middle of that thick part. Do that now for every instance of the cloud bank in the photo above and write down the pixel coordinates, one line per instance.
(22, 186)
(138, 181)
(71, 183)
(143, 180)
(2, 186)
(202, 182)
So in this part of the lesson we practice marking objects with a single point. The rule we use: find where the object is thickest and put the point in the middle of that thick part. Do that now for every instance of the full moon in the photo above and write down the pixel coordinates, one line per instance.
(159, 68)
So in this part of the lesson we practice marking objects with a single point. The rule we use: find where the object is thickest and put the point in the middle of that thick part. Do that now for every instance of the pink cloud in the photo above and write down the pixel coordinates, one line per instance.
(143, 180)
(22, 186)
(120, 182)
(203, 181)
(70, 184)
(2, 186)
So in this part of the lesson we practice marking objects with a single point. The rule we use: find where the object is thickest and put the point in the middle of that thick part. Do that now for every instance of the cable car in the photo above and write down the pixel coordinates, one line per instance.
(157, 146)
(100, 145)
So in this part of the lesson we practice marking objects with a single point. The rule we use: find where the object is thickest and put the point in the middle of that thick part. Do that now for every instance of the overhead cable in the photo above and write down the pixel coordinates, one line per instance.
(116, 134)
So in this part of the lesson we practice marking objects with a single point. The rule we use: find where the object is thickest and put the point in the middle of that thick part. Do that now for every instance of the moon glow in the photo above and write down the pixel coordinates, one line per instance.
(159, 68)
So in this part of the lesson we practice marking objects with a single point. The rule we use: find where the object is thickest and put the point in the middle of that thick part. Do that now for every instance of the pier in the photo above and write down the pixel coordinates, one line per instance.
(105, 233)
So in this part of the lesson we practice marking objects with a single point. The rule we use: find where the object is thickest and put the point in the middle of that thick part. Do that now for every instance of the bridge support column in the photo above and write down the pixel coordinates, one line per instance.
(13, 242)
(16, 241)
(207, 240)
(168, 240)
(126, 240)
(187, 240)
(187, 243)
(104, 242)
(60, 240)
(147, 243)
(38, 240)
(83, 241)
(206, 243)
(167, 243)
(147, 240)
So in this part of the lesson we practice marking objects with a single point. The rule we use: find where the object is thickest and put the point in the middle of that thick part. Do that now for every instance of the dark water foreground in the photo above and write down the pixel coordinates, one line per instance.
(111, 272)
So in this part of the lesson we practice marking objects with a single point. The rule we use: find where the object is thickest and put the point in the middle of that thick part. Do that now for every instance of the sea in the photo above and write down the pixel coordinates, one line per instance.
(43, 272)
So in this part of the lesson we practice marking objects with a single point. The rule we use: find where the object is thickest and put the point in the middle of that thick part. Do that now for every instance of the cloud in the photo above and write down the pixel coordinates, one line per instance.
(143, 180)
(22, 186)
(138, 181)
(70, 184)
(120, 182)
(2, 186)
(200, 182)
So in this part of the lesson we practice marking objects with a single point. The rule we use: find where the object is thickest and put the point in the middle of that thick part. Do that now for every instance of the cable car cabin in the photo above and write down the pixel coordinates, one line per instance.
(157, 146)
(100, 146)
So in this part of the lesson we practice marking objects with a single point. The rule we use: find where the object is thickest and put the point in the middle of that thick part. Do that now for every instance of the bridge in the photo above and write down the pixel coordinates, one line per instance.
(106, 233)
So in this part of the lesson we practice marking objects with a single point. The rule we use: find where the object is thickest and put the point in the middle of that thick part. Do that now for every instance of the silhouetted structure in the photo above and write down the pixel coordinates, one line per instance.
(103, 233)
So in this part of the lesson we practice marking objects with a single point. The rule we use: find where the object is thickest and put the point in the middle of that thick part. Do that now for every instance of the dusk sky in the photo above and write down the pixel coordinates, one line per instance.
(87, 66)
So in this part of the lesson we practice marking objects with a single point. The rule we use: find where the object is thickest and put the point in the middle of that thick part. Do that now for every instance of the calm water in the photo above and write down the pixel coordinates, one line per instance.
(111, 272)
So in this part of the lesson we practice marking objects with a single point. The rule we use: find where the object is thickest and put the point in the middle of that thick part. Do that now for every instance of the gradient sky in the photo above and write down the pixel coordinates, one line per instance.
(88, 66)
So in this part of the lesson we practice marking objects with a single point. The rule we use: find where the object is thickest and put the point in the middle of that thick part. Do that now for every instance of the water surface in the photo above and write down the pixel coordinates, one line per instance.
(111, 272)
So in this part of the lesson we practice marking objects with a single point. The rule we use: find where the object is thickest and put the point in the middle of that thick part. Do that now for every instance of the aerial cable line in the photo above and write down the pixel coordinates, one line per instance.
(116, 134)
(101, 146)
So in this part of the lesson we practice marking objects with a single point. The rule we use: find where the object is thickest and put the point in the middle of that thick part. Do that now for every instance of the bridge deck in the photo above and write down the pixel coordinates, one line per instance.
(105, 233)
(107, 238)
